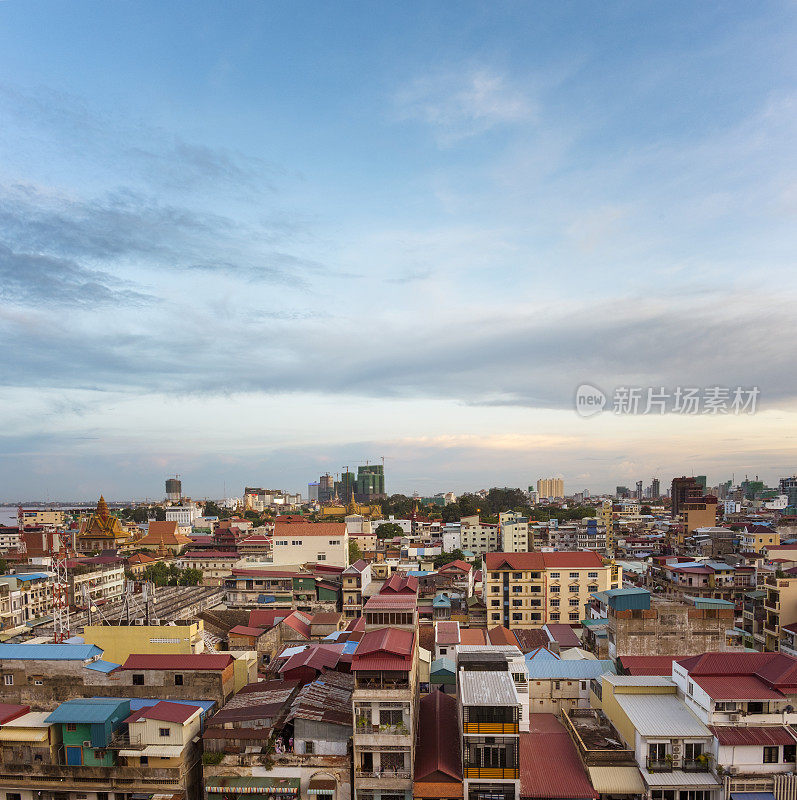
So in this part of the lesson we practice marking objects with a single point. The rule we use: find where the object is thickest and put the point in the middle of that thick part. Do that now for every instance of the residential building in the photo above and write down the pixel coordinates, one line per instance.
(699, 513)
(550, 488)
(215, 565)
(513, 532)
(557, 684)
(385, 684)
(529, 590)
(9, 538)
(452, 537)
(94, 579)
(754, 538)
(490, 711)
(356, 577)
(30, 597)
(780, 607)
(478, 537)
(41, 518)
(300, 542)
(121, 640)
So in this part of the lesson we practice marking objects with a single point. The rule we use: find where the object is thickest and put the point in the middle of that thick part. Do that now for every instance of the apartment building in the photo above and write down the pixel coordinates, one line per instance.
(529, 590)
(754, 538)
(513, 530)
(489, 710)
(298, 542)
(780, 609)
(215, 565)
(385, 684)
(478, 537)
(30, 597)
(356, 578)
(93, 579)
(41, 518)
(550, 488)
(9, 538)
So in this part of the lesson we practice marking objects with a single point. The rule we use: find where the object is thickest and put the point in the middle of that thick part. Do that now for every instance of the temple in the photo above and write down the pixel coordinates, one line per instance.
(102, 531)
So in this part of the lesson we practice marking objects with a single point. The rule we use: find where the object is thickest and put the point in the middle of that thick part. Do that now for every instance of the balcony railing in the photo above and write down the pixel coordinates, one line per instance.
(385, 773)
(491, 728)
(366, 727)
(659, 765)
(492, 773)
(695, 765)
(376, 683)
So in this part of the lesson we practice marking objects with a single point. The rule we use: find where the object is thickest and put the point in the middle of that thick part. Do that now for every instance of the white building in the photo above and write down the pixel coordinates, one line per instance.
(298, 542)
(452, 539)
(514, 532)
(478, 537)
(184, 516)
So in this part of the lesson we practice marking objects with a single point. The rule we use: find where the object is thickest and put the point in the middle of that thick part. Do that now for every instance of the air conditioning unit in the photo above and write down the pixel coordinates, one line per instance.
(734, 717)
(86, 744)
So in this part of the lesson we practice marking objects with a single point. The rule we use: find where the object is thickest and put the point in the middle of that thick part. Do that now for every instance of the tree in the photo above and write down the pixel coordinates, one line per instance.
(355, 553)
(3, 566)
(139, 514)
(447, 558)
(645, 510)
(212, 510)
(191, 577)
(160, 514)
(451, 513)
(387, 530)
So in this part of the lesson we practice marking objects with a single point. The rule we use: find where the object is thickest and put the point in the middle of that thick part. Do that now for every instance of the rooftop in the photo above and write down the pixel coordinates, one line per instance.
(661, 715)
(487, 689)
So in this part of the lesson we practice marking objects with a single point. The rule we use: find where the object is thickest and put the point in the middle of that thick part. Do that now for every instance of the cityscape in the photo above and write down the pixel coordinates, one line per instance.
(398, 400)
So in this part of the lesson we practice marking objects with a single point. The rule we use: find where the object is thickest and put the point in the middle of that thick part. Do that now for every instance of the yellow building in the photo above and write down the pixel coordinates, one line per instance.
(544, 588)
(120, 641)
(41, 517)
(700, 513)
(756, 538)
(101, 531)
(780, 609)
(339, 512)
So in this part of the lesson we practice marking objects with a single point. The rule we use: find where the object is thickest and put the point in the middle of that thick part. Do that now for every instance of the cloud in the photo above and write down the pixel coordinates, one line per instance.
(34, 279)
(460, 105)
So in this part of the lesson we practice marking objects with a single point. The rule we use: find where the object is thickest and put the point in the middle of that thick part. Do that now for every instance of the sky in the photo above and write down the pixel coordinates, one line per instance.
(249, 243)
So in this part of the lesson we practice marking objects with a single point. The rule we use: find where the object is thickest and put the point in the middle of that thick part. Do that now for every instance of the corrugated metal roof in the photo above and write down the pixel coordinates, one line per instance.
(103, 666)
(735, 687)
(577, 669)
(49, 652)
(731, 736)
(638, 680)
(679, 778)
(23, 734)
(487, 689)
(92, 710)
(616, 780)
(661, 715)
(443, 663)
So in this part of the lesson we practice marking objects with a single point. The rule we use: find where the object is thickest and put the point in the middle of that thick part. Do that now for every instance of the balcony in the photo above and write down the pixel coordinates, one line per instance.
(659, 764)
(492, 773)
(696, 764)
(377, 684)
(491, 728)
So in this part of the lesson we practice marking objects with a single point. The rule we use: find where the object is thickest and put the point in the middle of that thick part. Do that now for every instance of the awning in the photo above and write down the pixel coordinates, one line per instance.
(12, 734)
(155, 751)
(679, 778)
(616, 780)
(321, 786)
(752, 796)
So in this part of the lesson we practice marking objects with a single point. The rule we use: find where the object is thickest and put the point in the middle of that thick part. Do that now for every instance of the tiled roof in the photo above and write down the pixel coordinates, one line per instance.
(285, 526)
(166, 532)
(531, 639)
(266, 617)
(326, 618)
(472, 636)
(187, 662)
(576, 559)
(549, 763)
(437, 757)
(731, 736)
(562, 634)
(400, 584)
(227, 554)
(399, 602)
(456, 566)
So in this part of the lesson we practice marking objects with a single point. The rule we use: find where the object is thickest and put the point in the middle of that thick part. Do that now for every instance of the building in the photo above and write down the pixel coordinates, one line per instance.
(215, 565)
(489, 710)
(529, 590)
(699, 513)
(164, 537)
(297, 542)
(513, 532)
(550, 488)
(101, 531)
(370, 483)
(557, 684)
(30, 598)
(478, 537)
(754, 538)
(438, 757)
(121, 640)
(41, 518)
(780, 609)
(174, 490)
(184, 516)
(683, 490)
(101, 578)
(385, 684)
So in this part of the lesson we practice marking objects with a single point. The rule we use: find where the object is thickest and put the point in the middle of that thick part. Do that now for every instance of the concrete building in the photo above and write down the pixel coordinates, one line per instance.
(478, 537)
(298, 542)
(513, 532)
(529, 590)
(452, 537)
(215, 565)
(121, 640)
(550, 488)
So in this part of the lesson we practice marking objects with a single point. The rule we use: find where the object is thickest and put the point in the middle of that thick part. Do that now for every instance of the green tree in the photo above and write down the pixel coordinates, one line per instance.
(191, 577)
(160, 514)
(139, 514)
(387, 530)
(212, 510)
(355, 553)
(645, 510)
(3, 566)
(450, 513)
(446, 558)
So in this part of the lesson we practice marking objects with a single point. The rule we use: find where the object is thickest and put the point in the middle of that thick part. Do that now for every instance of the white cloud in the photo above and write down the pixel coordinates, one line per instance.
(458, 105)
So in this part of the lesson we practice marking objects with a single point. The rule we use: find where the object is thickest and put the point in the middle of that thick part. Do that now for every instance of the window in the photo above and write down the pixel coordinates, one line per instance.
(692, 750)
(555, 616)
(573, 601)
(657, 751)
(694, 795)
(38, 683)
(495, 575)
(554, 575)
(309, 747)
(574, 616)
(583, 686)
(555, 602)
(144, 761)
(163, 731)
(178, 680)
(138, 679)
(574, 575)
(554, 590)
(516, 589)
(725, 706)
(8, 680)
(516, 602)
(517, 617)
(496, 616)
(13, 796)
(573, 588)
(771, 755)
(690, 688)
(496, 589)
(495, 602)
(517, 576)
(71, 727)
(334, 541)
(321, 557)
(390, 716)
(592, 574)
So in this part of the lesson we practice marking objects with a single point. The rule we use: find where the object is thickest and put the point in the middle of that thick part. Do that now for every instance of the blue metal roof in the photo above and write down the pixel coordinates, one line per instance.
(50, 652)
(541, 654)
(419, 573)
(89, 711)
(266, 598)
(441, 601)
(103, 666)
(575, 669)
(443, 664)
(334, 636)
(350, 647)
(31, 576)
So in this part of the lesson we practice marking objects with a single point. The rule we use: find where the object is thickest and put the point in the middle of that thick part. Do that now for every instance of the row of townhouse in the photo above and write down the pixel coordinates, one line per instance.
(24, 598)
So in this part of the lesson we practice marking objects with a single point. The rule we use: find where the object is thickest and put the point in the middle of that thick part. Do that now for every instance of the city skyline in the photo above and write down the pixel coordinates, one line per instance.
(264, 244)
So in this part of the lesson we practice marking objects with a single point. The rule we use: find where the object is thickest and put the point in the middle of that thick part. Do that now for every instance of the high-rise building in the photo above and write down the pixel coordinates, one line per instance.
(370, 482)
(174, 490)
(550, 488)
(346, 487)
(683, 489)
(788, 486)
(312, 491)
(326, 488)
(639, 490)
(655, 489)
(622, 492)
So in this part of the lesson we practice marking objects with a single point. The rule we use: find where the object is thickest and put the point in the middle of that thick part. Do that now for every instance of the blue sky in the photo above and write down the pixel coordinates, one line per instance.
(250, 242)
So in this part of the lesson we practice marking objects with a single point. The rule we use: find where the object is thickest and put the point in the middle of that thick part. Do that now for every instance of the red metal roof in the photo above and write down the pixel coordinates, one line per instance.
(447, 633)
(472, 636)
(649, 665)
(228, 554)
(246, 630)
(291, 526)
(437, 756)
(563, 634)
(186, 662)
(549, 762)
(299, 623)
(576, 559)
(730, 736)
(400, 584)
(735, 687)
(320, 657)
(9, 711)
(457, 566)
(399, 602)
(266, 617)
(164, 711)
(501, 635)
